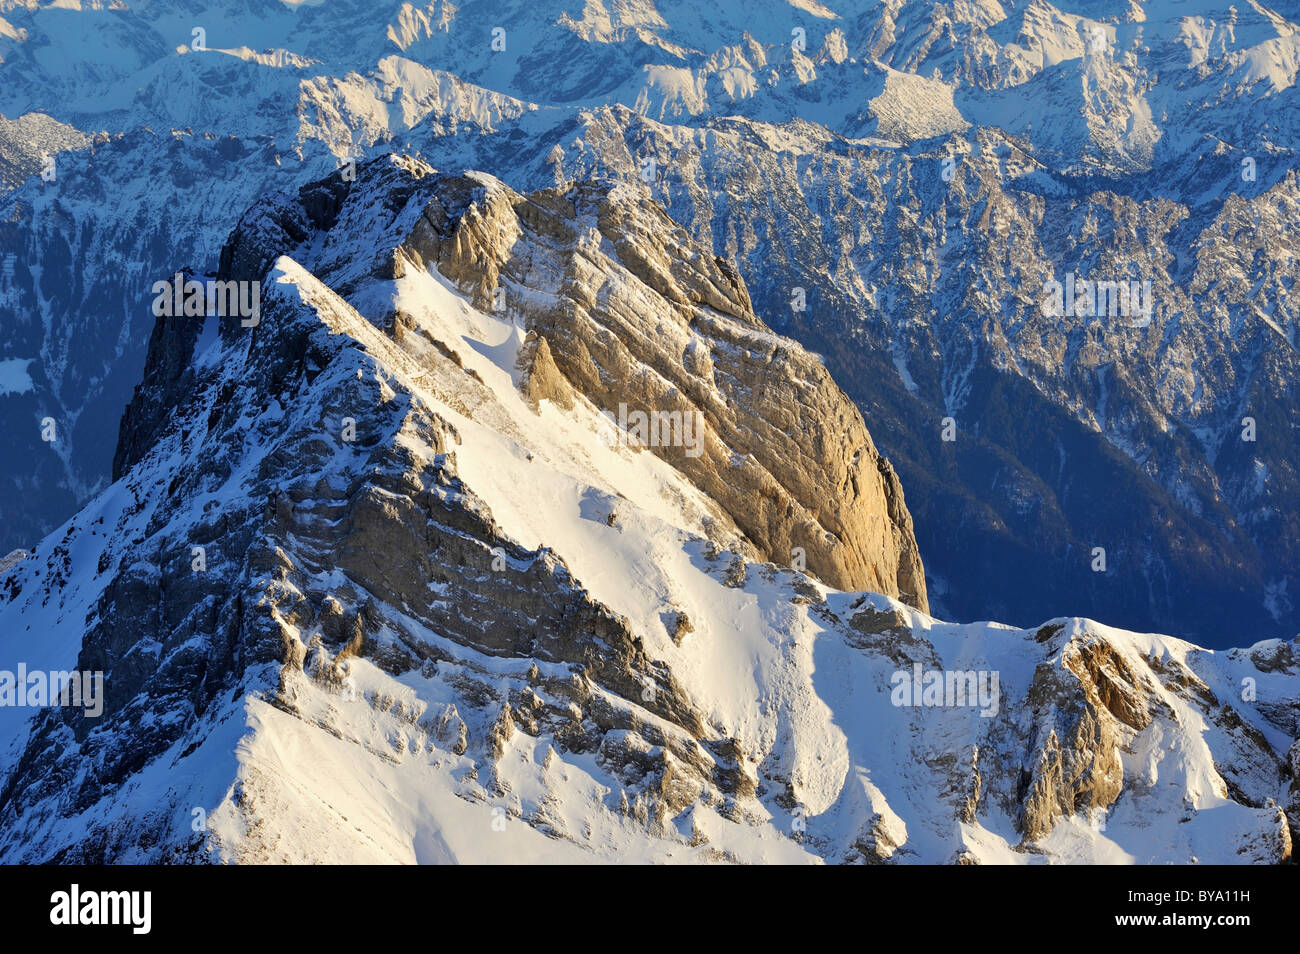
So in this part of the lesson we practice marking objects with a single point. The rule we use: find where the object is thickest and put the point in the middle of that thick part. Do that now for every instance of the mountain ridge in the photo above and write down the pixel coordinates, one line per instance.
(480, 615)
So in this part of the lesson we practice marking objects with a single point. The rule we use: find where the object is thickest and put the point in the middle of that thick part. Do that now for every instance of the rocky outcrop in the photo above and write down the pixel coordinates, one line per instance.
(630, 313)
(626, 310)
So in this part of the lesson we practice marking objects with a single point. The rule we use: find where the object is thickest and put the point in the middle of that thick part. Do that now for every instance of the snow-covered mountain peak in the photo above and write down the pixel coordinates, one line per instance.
(379, 580)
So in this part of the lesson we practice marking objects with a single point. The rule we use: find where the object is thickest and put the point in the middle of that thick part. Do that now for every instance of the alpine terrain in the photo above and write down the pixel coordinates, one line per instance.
(765, 431)
(507, 531)
(899, 183)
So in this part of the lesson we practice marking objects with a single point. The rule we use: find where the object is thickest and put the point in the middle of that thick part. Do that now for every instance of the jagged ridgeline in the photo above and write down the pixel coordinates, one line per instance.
(509, 532)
